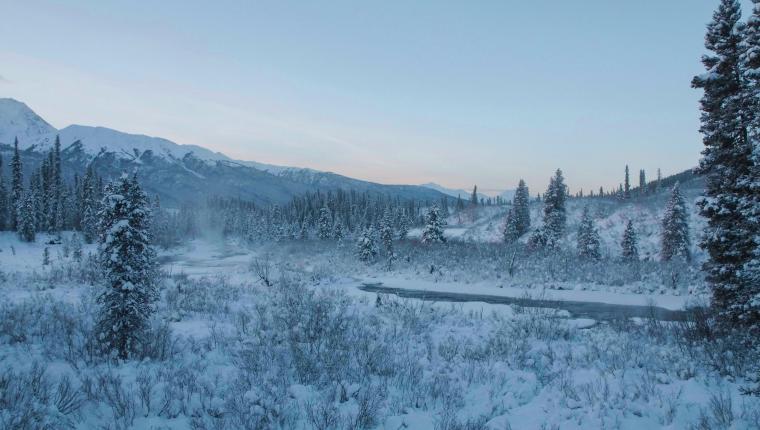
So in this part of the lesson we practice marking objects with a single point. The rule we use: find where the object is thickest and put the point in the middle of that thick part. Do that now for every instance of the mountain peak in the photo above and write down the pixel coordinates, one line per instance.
(17, 120)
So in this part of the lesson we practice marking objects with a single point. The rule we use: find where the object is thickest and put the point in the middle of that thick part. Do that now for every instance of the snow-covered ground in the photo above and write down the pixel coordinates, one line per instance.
(314, 351)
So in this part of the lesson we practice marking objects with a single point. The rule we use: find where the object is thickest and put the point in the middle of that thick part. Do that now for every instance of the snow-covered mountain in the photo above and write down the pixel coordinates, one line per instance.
(18, 121)
(463, 193)
(176, 172)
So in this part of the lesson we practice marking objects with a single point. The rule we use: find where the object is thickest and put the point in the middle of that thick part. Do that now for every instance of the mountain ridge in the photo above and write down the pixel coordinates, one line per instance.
(178, 172)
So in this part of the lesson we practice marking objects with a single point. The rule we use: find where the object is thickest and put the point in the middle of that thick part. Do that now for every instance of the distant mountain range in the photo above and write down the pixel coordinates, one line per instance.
(177, 173)
(506, 194)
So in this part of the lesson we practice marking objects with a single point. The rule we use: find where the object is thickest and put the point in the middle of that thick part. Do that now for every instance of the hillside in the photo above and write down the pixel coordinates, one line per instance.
(177, 173)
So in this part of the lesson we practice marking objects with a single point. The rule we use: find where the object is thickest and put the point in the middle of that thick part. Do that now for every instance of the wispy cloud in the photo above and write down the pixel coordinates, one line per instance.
(3, 80)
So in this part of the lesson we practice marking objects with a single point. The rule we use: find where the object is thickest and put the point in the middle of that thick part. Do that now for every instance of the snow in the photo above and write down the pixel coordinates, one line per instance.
(18, 120)
(492, 366)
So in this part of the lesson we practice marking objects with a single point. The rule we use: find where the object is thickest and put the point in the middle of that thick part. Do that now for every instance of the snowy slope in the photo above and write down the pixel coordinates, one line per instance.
(176, 172)
(17, 120)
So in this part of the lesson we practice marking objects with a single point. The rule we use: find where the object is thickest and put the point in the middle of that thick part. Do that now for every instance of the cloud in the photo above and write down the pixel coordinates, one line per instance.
(3, 80)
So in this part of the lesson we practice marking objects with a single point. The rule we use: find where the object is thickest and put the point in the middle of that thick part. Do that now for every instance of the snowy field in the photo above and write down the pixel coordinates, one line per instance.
(311, 350)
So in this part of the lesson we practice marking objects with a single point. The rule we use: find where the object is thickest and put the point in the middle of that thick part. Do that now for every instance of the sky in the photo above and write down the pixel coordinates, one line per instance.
(451, 92)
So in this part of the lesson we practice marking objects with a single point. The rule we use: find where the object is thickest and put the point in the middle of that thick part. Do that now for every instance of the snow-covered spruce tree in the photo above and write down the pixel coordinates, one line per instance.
(128, 264)
(433, 232)
(627, 186)
(386, 237)
(474, 196)
(521, 205)
(366, 248)
(403, 228)
(90, 206)
(629, 245)
(749, 275)
(537, 239)
(338, 230)
(730, 165)
(26, 218)
(386, 232)
(675, 228)
(17, 187)
(642, 182)
(324, 224)
(511, 234)
(588, 237)
(3, 199)
(555, 216)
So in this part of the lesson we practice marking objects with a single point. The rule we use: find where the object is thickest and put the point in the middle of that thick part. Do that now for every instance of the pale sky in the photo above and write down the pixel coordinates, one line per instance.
(458, 93)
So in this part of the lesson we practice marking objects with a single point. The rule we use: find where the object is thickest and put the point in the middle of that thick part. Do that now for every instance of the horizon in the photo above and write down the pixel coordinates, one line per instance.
(327, 87)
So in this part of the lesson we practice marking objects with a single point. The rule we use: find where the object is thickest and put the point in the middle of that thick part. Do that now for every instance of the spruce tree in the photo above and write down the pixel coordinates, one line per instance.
(511, 232)
(642, 182)
(386, 232)
(26, 218)
(474, 196)
(629, 244)
(403, 228)
(521, 205)
(729, 129)
(3, 199)
(338, 229)
(627, 186)
(90, 206)
(675, 228)
(588, 237)
(366, 248)
(433, 231)
(17, 186)
(324, 224)
(128, 264)
(555, 216)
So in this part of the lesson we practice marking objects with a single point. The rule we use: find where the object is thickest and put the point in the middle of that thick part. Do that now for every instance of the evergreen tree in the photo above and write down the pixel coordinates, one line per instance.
(26, 218)
(658, 184)
(3, 199)
(338, 232)
(555, 216)
(56, 189)
(642, 182)
(675, 228)
(386, 232)
(511, 232)
(17, 186)
(627, 186)
(90, 206)
(629, 244)
(128, 264)
(324, 224)
(366, 248)
(588, 237)
(403, 228)
(730, 164)
(521, 205)
(433, 232)
(474, 196)
(46, 256)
